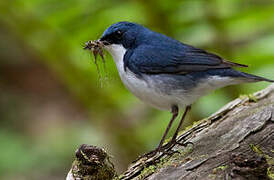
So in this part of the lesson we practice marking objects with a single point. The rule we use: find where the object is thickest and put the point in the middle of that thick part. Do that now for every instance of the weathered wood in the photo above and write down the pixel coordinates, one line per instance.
(237, 142)
(91, 163)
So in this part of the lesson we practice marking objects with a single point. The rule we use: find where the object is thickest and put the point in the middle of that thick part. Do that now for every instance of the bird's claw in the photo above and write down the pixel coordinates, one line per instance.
(164, 150)
(183, 144)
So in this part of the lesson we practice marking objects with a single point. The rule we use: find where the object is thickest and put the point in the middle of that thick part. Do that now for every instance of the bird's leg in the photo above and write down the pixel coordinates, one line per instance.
(173, 140)
(174, 111)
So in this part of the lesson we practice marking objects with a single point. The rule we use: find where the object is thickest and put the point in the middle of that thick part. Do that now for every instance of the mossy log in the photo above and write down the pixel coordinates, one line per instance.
(237, 142)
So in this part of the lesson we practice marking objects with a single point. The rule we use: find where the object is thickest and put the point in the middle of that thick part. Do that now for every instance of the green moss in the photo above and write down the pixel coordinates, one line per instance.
(166, 161)
(150, 169)
(270, 170)
(243, 96)
(147, 171)
(219, 168)
(251, 97)
(269, 159)
(222, 167)
(270, 173)
(256, 149)
(212, 176)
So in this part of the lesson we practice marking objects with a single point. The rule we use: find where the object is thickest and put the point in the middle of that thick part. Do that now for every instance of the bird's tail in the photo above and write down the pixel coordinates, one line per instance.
(253, 78)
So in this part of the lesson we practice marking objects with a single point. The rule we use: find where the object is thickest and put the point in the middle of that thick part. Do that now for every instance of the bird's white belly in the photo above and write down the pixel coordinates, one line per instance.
(144, 90)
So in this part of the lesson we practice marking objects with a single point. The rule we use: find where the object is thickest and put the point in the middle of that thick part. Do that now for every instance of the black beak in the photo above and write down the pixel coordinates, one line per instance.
(103, 41)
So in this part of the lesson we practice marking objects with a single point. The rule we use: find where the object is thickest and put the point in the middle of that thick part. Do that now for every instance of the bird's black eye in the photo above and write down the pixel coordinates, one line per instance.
(118, 34)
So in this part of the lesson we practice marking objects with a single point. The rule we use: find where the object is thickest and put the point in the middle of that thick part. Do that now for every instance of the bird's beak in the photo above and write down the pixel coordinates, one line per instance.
(104, 42)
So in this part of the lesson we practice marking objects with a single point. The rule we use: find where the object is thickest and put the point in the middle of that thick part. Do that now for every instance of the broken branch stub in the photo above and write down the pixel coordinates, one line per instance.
(91, 163)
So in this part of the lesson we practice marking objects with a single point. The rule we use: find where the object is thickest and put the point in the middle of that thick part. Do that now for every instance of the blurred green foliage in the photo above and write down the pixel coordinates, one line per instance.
(51, 99)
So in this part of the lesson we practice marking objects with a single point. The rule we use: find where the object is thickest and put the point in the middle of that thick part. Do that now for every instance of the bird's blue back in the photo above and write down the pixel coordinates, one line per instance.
(150, 52)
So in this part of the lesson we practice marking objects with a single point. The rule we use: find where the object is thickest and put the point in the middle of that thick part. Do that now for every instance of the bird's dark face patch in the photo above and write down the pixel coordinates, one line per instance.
(113, 36)
(122, 33)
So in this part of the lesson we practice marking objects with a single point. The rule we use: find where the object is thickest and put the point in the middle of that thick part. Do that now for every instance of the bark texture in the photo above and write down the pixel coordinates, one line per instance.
(237, 142)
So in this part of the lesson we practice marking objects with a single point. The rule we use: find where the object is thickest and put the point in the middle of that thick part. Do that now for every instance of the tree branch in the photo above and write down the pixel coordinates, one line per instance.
(237, 142)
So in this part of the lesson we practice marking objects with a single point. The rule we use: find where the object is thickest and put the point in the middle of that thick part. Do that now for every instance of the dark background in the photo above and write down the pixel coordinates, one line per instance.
(51, 98)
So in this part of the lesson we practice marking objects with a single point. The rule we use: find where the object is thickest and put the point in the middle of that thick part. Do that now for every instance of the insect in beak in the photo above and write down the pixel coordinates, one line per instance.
(96, 47)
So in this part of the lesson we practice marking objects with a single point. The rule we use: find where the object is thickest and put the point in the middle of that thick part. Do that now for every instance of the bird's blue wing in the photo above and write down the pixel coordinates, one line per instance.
(179, 59)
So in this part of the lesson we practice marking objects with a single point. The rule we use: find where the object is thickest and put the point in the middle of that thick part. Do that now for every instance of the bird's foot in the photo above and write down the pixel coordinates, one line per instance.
(166, 149)
(173, 143)
(157, 153)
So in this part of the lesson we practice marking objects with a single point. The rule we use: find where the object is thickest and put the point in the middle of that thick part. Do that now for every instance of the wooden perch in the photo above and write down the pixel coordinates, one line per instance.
(237, 142)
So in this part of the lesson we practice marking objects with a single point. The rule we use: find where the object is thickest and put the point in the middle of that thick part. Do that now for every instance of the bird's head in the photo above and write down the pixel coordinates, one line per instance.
(121, 33)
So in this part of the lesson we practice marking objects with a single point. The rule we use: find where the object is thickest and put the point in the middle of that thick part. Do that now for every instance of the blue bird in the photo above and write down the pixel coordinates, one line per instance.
(165, 73)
